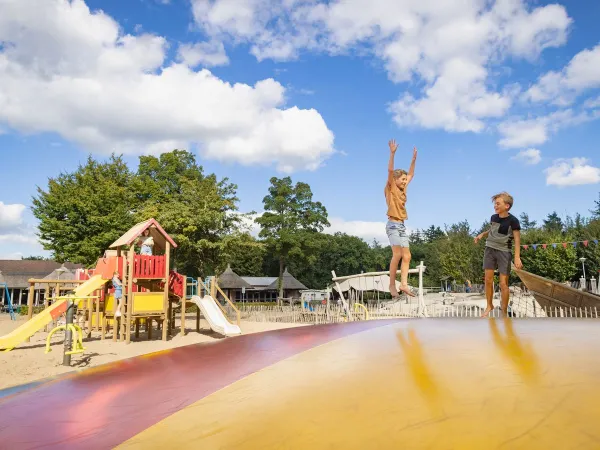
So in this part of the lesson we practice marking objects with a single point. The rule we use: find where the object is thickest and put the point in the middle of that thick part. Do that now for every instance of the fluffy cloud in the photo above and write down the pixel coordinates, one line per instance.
(530, 157)
(561, 88)
(15, 234)
(520, 133)
(572, 172)
(446, 46)
(208, 54)
(367, 231)
(71, 71)
(11, 216)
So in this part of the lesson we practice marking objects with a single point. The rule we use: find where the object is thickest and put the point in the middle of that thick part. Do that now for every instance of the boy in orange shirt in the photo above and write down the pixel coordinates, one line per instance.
(395, 196)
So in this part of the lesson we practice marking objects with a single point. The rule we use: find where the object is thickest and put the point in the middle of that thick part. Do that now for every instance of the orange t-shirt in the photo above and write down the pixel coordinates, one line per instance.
(396, 202)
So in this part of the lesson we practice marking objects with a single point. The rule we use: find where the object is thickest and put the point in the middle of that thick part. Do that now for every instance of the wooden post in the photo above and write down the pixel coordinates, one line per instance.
(197, 319)
(129, 296)
(183, 302)
(166, 290)
(47, 303)
(30, 304)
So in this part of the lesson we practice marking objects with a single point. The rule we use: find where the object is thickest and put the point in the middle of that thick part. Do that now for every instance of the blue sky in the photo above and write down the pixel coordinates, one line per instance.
(497, 95)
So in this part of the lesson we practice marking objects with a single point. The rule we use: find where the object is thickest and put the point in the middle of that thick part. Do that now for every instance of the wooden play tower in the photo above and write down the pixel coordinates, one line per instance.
(145, 281)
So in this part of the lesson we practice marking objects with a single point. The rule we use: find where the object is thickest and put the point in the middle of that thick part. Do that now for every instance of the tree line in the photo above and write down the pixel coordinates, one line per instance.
(82, 212)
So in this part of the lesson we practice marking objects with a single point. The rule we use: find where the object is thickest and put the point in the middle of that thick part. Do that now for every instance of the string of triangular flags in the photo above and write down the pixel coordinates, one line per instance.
(564, 244)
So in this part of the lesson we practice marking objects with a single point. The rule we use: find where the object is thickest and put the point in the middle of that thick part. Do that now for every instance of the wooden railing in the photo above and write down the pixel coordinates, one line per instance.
(145, 266)
(176, 283)
(214, 288)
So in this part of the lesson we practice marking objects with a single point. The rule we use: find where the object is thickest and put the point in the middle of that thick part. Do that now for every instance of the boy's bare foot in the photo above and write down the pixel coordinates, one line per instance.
(406, 290)
(487, 311)
(393, 291)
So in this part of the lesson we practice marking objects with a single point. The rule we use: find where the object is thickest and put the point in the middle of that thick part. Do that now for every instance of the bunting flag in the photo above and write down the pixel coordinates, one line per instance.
(585, 243)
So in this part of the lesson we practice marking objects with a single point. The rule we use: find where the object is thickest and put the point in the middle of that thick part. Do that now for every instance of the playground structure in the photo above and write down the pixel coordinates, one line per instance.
(4, 287)
(356, 285)
(151, 293)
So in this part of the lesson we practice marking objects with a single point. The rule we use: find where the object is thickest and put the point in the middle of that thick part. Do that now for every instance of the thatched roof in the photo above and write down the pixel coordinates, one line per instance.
(231, 280)
(289, 283)
(17, 272)
(60, 273)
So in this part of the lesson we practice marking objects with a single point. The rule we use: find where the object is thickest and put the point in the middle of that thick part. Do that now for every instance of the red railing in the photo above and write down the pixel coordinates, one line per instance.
(176, 282)
(149, 266)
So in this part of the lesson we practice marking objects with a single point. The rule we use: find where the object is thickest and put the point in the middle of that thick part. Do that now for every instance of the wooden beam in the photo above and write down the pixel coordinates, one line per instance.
(30, 304)
(129, 296)
(183, 302)
(166, 290)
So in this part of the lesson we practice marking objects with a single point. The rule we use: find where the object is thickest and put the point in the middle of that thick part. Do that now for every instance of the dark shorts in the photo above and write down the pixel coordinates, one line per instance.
(497, 259)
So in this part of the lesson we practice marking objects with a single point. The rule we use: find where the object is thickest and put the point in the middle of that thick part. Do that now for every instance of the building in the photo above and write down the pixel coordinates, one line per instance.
(16, 275)
(258, 289)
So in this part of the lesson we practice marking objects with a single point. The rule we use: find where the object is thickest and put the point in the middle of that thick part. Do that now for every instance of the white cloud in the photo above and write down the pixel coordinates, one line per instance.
(572, 172)
(445, 46)
(11, 216)
(520, 133)
(14, 238)
(67, 70)
(16, 235)
(530, 157)
(363, 229)
(592, 103)
(561, 88)
(208, 54)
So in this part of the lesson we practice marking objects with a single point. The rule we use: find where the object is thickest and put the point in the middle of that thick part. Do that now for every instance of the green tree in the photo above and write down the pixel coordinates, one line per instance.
(197, 210)
(433, 233)
(81, 213)
(526, 222)
(555, 263)
(245, 254)
(553, 223)
(458, 254)
(290, 213)
(596, 211)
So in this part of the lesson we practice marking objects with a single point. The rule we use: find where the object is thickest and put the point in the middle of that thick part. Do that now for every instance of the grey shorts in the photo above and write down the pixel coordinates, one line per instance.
(396, 232)
(497, 259)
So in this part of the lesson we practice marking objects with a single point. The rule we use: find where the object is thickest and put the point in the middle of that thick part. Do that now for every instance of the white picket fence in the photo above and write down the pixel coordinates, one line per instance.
(336, 314)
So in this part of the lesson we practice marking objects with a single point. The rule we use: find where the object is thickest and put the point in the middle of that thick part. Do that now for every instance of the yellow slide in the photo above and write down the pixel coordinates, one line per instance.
(52, 312)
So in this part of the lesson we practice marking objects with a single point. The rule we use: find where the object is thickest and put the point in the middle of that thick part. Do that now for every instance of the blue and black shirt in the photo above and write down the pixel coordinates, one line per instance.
(500, 236)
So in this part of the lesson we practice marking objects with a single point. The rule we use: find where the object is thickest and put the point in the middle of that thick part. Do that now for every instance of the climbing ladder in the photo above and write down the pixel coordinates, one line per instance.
(7, 296)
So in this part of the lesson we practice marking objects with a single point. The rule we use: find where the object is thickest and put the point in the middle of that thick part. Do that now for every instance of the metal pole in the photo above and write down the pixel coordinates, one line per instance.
(68, 334)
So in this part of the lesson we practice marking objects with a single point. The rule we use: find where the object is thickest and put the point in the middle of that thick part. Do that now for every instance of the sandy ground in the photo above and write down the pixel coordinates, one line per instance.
(28, 362)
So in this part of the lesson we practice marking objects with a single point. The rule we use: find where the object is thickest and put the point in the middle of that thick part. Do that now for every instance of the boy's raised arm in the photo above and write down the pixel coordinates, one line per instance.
(393, 147)
(411, 170)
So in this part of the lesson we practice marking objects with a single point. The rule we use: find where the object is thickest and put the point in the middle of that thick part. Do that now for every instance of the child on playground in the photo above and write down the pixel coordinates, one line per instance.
(147, 243)
(118, 285)
(504, 228)
(395, 196)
